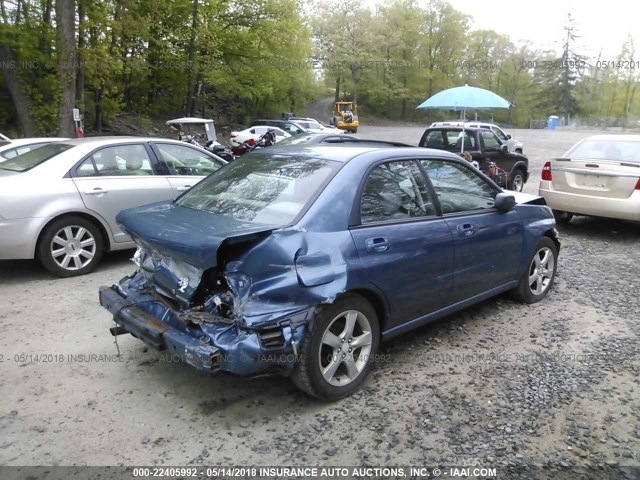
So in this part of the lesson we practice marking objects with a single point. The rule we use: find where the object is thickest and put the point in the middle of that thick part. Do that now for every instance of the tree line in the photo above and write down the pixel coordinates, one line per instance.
(235, 60)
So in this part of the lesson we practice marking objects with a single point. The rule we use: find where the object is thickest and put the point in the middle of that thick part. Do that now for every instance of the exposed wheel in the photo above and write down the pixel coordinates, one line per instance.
(355, 130)
(519, 150)
(516, 180)
(336, 354)
(70, 246)
(537, 279)
(562, 217)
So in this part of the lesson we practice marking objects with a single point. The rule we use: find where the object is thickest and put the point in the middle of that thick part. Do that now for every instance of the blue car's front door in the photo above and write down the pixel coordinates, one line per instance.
(405, 249)
(487, 242)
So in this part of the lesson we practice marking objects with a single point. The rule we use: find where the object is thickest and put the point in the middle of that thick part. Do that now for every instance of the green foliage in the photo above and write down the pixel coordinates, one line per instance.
(234, 60)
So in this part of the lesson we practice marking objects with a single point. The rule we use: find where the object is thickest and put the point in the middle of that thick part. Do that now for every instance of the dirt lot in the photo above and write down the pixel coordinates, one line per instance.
(551, 386)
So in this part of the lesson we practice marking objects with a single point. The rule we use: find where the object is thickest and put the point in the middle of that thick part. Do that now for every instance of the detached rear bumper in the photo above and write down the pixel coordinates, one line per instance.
(209, 347)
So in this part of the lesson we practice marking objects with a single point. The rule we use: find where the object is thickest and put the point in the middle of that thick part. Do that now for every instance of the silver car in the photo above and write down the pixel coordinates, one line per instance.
(58, 203)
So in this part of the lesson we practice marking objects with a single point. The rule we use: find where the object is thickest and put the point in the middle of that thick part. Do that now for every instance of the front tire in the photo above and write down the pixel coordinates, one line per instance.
(336, 354)
(562, 218)
(538, 278)
(516, 182)
(70, 246)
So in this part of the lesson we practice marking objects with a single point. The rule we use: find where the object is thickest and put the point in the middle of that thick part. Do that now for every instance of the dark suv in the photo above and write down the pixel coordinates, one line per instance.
(486, 149)
(287, 125)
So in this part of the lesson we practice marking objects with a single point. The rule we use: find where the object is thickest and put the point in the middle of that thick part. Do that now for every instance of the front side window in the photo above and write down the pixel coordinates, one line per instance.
(458, 188)
(491, 142)
(268, 189)
(184, 160)
(395, 191)
(500, 134)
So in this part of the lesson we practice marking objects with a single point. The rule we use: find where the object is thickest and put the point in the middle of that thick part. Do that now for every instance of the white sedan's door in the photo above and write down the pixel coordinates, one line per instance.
(118, 177)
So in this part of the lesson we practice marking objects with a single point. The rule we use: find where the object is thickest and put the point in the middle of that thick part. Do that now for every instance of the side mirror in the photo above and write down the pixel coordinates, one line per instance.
(505, 202)
(508, 136)
(504, 148)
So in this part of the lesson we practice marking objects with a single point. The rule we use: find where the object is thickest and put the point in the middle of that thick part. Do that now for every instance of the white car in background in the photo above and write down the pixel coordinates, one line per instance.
(58, 203)
(238, 138)
(12, 148)
(315, 126)
(599, 176)
(512, 144)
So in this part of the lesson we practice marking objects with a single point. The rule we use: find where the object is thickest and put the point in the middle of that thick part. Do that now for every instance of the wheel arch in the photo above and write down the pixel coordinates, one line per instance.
(98, 224)
(378, 303)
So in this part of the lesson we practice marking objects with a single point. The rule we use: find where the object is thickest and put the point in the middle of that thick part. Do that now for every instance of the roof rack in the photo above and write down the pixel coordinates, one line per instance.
(364, 140)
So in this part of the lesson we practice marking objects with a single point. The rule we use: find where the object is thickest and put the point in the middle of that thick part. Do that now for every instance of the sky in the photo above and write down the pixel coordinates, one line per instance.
(601, 25)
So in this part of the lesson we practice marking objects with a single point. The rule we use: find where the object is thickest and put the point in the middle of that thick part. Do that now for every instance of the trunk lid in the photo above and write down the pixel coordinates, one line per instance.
(185, 234)
(600, 178)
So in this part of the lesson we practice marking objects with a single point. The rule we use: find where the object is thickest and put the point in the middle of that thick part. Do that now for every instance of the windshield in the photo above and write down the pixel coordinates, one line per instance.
(28, 160)
(263, 189)
(614, 150)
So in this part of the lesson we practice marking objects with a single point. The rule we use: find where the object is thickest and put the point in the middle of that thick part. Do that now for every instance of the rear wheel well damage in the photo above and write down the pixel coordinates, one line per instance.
(103, 233)
(553, 235)
(377, 303)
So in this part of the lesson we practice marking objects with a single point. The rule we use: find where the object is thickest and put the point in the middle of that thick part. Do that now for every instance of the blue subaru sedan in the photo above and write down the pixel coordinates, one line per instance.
(301, 260)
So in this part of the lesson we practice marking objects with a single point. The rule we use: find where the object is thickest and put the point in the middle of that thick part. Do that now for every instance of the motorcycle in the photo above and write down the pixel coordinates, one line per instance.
(265, 140)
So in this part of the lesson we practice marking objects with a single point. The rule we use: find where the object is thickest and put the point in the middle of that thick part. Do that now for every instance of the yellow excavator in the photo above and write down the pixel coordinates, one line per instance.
(345, 116)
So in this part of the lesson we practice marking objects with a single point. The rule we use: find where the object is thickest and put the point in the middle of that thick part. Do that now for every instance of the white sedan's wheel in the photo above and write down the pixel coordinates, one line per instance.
(70, 246)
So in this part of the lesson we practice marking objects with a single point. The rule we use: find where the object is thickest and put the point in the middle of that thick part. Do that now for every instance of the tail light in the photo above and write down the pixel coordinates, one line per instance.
(546, 171)
(638, 185)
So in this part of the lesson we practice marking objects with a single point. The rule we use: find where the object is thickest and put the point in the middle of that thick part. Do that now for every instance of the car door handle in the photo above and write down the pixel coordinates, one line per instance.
(466, 229)
(96, 191)
(376, 245)
(183, 188)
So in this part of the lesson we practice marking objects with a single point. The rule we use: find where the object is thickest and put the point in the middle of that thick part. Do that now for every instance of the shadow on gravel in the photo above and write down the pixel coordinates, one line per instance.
(601, 229)
(17, 271)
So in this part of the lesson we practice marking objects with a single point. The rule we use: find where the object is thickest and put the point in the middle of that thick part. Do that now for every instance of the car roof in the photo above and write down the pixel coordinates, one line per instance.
(117, 139)
(345, 152)
(456, 128)
(188, 120)
(16, 142)
(614, 137)
(460, 122)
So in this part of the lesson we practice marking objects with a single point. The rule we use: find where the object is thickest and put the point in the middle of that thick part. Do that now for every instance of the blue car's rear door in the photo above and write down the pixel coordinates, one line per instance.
(487, 242)
(406, 250)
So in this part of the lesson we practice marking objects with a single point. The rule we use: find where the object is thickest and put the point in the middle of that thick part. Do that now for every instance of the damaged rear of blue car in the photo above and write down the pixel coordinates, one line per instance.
(300, 260)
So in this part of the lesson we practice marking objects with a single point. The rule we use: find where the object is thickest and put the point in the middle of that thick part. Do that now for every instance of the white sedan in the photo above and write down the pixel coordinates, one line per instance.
(12, 148)
(238, 138)
(58, 203)
(317, 127)
(599, 176)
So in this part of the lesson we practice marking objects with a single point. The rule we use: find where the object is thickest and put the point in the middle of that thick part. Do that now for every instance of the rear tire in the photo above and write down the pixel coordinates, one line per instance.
(336, 354)
(562, 218)
(538, 277)
(70, 246)
(516, 181)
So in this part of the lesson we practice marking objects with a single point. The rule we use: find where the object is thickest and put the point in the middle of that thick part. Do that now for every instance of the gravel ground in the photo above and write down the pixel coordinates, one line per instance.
(550, 388)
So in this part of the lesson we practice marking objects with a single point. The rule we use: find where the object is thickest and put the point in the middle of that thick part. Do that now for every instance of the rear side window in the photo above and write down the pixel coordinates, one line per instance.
(395, 191)
(433, 140)
(118, 160)
(458, 188)
(33, 158)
